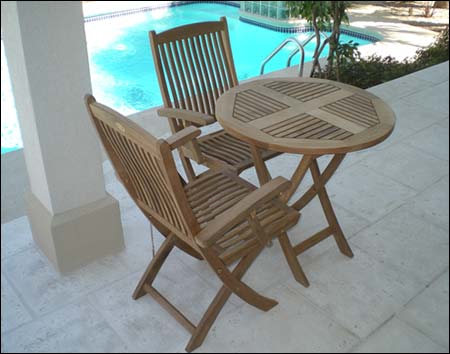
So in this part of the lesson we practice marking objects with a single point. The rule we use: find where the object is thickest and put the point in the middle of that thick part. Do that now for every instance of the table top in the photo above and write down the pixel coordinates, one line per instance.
(305, 116)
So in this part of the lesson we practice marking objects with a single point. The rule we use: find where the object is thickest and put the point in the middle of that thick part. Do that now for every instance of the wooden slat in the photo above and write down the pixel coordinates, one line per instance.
(313, 240)
(220, 58)
(255, 106)
(304, 126)
(208, 88)
(170, 308)
(201, 78)
(189, 77)
(213, 57)
(302, 92)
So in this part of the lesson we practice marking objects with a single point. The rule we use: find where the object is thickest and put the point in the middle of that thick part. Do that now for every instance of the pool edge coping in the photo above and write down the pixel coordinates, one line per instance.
(264, 22)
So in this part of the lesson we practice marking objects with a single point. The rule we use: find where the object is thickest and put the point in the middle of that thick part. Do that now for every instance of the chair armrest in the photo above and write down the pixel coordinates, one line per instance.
(236, 214)
(183, 137)
(186, 115)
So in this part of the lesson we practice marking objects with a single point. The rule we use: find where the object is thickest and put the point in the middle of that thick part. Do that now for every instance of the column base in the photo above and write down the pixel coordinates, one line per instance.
(77, 237)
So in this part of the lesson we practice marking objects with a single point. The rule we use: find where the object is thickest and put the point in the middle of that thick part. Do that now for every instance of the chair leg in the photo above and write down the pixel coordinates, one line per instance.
(235, 285)
(188, 249)
(218, 303)
(292, 260)
(155, 266)
(231, 281)
(178, 242)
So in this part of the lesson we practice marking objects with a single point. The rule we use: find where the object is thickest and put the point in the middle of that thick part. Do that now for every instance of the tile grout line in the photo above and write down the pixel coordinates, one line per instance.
(419, 191)
(420, 331)
(29, 309)
(424, 151)
(74, 301)
(437, 277)
(363, 340)
(107, 321)
(5, 258)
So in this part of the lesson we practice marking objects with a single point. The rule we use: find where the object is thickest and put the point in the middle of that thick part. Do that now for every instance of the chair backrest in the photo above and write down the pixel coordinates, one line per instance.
(194, 64)
(147, 169)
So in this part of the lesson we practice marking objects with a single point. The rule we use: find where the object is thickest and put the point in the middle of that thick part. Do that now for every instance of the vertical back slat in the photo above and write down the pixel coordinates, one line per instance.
(168, 74)
(212, 54)
(219, 55)
(176, 75)
(187, 71)
(197, 65)
(228, 54)
(226, 62)
(198, 70)
(182, 74)
(208, 93)
(212, 74)
(193, 70)
(147, 168)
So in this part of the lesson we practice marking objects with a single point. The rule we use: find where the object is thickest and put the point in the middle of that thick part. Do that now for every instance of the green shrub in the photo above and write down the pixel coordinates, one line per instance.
(375, 70)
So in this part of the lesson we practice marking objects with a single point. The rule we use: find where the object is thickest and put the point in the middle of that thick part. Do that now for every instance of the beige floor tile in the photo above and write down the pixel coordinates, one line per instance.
(429, 311)
(77, 328)
(366, 193)
(436, 74)
(434, 141)
(404, 86)
(16, 237)
(398, 337)
(360, 293)
(404, 241)
(408, 165)
(414, 116)
(14, 312)
(293, 326)
(433, 204)
(433, 99)
(45, 290)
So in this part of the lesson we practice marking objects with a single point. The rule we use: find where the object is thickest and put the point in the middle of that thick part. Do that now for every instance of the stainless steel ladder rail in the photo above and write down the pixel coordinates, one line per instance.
(304, 43)
(280, 47)
(300, 48)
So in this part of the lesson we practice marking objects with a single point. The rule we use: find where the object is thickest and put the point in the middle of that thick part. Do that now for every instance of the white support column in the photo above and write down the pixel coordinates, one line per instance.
(73, 219)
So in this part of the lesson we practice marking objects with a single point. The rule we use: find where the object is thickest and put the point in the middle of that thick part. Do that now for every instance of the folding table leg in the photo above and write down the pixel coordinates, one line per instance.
(342, 243)
(324, 178)
(260, 166)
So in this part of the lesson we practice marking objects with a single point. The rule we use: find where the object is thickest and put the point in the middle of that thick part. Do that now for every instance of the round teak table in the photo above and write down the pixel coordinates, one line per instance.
(311, 117)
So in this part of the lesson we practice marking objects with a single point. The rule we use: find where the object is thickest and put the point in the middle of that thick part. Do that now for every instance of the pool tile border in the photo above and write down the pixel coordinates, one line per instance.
(290, 29)
(154, 7)
(307, 28)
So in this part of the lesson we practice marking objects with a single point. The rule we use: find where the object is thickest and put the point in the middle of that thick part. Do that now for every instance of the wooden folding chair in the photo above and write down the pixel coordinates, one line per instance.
(195, 66)
(219, 217)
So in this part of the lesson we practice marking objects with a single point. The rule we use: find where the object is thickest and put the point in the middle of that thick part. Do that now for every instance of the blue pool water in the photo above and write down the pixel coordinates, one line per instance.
(121, 66)
(122, 70)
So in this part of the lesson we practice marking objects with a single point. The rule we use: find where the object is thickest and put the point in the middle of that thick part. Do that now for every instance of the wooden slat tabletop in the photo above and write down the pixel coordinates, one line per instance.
(305, 116)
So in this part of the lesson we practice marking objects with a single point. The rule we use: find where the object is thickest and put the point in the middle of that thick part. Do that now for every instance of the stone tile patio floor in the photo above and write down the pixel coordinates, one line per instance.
(393, 204)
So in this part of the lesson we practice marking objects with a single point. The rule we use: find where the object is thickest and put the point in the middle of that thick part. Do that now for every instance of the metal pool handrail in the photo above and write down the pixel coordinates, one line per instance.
(300, 48)
(304, 43)
(281, 46)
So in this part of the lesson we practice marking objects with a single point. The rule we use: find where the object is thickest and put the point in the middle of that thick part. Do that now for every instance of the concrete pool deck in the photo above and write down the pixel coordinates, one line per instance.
(392, 297)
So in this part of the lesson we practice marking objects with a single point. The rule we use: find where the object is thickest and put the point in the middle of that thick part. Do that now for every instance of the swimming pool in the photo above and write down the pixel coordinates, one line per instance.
(121, 66)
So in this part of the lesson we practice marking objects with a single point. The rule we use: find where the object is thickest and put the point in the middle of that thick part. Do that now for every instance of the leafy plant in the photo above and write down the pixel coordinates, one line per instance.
(375, 70)
(317, 13)
(322, 15)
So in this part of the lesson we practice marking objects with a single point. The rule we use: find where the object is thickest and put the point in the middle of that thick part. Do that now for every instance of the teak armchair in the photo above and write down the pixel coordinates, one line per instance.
(219, 218)
(194, 64)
